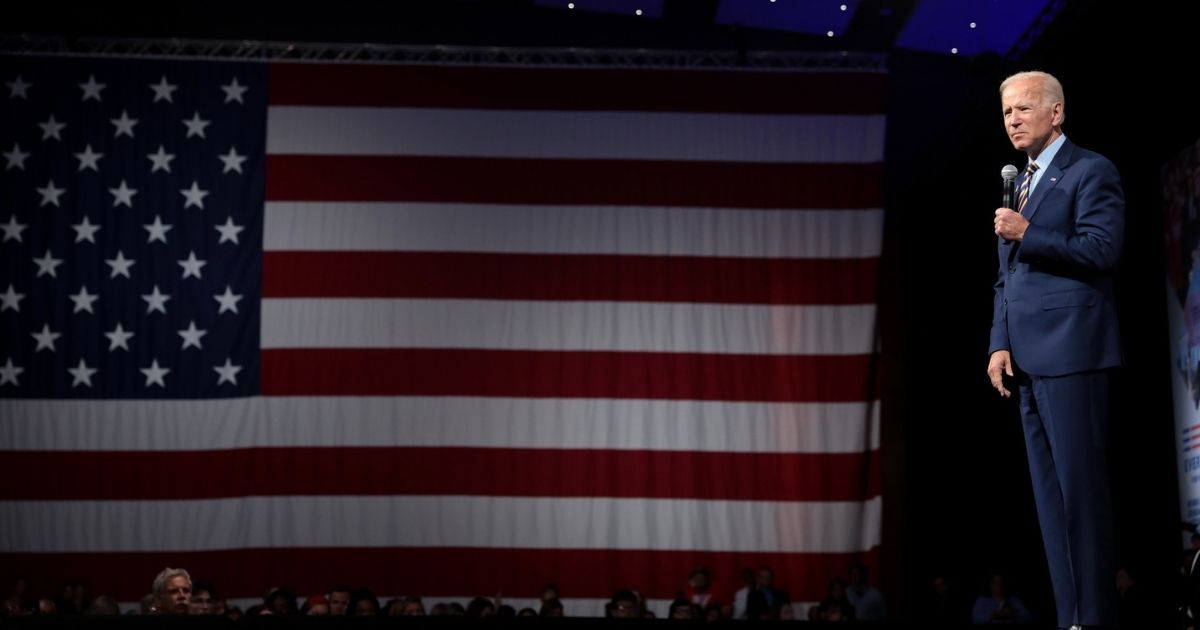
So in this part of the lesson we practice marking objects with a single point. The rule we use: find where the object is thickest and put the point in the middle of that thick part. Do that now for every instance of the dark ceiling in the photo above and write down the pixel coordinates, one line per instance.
(936, 26)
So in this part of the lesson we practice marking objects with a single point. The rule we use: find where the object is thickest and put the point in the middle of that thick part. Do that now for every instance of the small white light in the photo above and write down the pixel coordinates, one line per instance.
(972, 25)
(772, 1)
(830, 33)
(843, 7)
(570, 5)
(953, 51)
(638, 12)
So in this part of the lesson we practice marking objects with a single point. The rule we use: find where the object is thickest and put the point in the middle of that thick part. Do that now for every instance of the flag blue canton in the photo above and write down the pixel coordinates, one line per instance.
(131, 205)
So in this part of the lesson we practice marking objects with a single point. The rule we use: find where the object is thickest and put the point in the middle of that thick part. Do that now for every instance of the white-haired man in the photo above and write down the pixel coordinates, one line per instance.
(172, 591)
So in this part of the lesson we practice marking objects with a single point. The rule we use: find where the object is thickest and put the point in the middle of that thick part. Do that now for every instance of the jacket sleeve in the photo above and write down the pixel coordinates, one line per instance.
(999, 339)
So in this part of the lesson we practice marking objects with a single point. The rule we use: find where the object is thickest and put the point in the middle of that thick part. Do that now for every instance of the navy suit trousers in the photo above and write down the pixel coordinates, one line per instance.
(1066, 425)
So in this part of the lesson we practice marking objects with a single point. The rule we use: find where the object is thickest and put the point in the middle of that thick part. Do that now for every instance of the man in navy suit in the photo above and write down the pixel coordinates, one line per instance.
(1054, 331)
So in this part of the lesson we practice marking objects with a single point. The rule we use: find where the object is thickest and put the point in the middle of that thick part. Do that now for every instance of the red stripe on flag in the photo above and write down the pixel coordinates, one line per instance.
(593, 182)
(434, 572)
(570, 277)
(577, 89)
(134, 475)
(573, 374)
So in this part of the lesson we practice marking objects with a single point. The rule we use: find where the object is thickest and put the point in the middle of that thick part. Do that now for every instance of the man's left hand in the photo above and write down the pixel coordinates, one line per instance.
(1009, 225)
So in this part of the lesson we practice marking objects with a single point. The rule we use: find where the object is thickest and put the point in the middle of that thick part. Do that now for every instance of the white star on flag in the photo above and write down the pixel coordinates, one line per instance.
(120, 265)
(51, 128)
(50, 193)
(124, 125)
(45, 339)
(85, 231)
(84, 300)
(118, 338)
(19, 88)
(157, 230)
(227, 372)
(160, 160)
(16, 157)
(232, 161)
(233, 91)
(191, 265)
(12, 229)
(154, 374)
(122, 195)
(46, 265)
(156, 301)
(88, 159)
(91, 89)
(195, 126)
(11, 299)
(227, 300)
(194, 195)
(163, 90)
(191, 336)
(229, 231)
(9, 373)
(82, 374)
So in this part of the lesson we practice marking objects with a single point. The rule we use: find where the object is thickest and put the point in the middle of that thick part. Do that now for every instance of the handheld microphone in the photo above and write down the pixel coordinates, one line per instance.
(1009, 175)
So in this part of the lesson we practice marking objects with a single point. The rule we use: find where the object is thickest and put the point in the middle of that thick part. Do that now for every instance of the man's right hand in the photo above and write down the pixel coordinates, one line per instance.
(999, 365)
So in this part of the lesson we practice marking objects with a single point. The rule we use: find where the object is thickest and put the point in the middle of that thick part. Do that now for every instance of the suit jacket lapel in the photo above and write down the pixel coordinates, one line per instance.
(1050, 178)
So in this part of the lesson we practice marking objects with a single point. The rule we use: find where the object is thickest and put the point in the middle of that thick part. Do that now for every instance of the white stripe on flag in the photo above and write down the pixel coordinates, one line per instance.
(580, 326)
(302, 130)
(484, 422)
(439, 521)
(651, 231)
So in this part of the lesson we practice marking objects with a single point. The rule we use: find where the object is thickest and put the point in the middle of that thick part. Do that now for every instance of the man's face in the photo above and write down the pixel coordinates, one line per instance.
(766, 578)
(413, 609)
(1028, 120)
(338, 602)
(201, 603)
(178, 593)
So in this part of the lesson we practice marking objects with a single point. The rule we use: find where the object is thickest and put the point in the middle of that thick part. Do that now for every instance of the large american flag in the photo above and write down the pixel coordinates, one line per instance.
(443, 331)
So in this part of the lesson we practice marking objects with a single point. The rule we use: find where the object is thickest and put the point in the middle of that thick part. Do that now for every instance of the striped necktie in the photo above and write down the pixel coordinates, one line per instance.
(1023, 194)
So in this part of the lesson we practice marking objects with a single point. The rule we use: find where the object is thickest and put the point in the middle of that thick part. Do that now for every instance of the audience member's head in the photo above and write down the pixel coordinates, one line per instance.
(481, 607)
(315, 606)
(339, 601)
(172, 589)
(766, 578)
(680, 609)
(859, 575)
(280, 601)
(527, 612)
(699, 579)
(551, 608)
(412, 607)
(363, 603)
(624, 605)
(202, 600)
(103, 606)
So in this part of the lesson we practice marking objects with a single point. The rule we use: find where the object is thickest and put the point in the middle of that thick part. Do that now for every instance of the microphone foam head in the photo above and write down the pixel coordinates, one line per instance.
(1009, 172)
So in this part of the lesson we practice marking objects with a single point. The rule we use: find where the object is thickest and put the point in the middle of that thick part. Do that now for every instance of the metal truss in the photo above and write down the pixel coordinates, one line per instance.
(248, 50)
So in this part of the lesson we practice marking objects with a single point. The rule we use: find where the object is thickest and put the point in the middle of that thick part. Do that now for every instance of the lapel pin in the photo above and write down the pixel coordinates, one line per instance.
(1053, 179)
